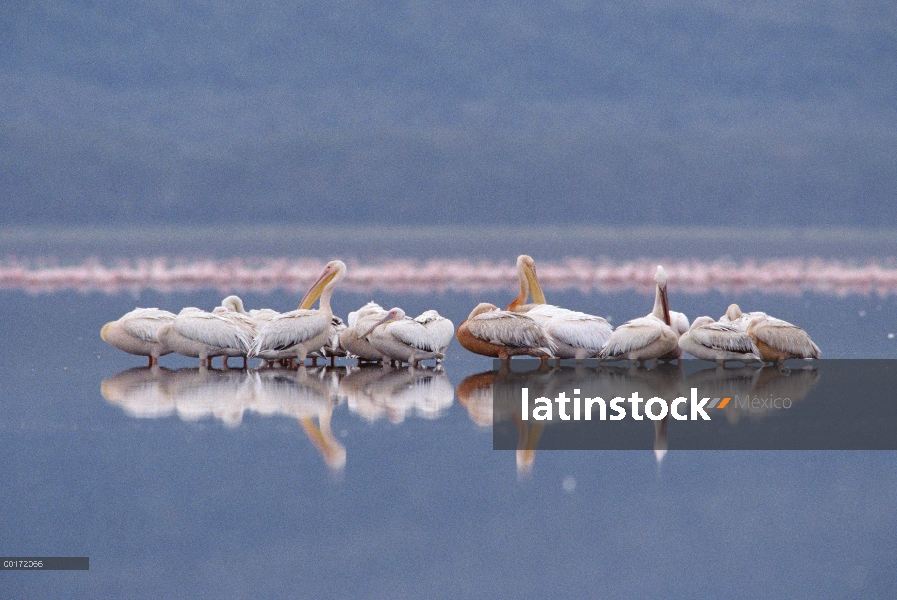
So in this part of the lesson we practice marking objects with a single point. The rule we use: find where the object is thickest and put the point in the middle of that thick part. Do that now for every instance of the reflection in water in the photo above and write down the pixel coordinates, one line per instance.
(375, 393)
(768, 382)
(308, 395)
(492, 397)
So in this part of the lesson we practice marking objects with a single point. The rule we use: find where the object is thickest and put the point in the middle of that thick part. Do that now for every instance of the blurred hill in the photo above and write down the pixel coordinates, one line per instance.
(699, 112)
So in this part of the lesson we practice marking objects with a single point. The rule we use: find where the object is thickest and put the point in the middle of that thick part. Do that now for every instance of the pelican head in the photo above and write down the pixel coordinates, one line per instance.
(660, 277)
(333, 272)
(393, 314)
(233, 303)
(733, 312)
(482, 307)
(105, 329)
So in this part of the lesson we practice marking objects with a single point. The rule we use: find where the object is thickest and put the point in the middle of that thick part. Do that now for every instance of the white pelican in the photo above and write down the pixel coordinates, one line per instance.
(647, 338)
(136, 333)
(439, 327)
(502, 334)
(402, 339)
(232, 309)
(777, 340)
(204, 335)
(298, 333)
(360, 321)
(709, 340)
(577, 335)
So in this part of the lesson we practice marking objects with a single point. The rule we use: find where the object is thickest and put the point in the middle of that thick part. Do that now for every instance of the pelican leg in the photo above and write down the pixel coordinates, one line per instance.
(245, 362)
(150, 362)
(224, 364)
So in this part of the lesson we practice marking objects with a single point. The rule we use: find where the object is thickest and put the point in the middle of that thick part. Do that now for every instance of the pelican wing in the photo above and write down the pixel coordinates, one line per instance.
(213, 330)
(632, 335)
(724, 336)
(144, 322)
(412, 333)
(509, 329)
(783, 336)
(288, 329)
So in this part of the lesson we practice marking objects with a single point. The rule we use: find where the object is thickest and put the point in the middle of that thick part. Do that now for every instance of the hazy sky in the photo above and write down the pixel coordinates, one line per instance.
(779, 113)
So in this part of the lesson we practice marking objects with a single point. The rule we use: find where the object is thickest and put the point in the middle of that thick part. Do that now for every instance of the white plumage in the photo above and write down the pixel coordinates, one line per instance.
(650, 337)
(280, 336)
(298, 333)
(204, 335)
(439, 327)
(709, 340)
(136, 332)
(576, 334)
(358, 322)
(777, 340)
(402, 338)
(505, 328)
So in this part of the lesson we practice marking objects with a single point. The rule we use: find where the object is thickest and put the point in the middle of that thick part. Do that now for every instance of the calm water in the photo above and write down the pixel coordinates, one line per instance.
(190, 504)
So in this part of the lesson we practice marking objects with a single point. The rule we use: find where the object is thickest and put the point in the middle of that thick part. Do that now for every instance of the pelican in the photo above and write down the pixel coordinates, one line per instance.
(205, 335)
(298, 333)
(709, 340)
(577, 335)
(777, 340)
(502, 334)
(136, 333)
(439, 327)
(402, 339)
(232, 309)
(359, 321)
(647, 338)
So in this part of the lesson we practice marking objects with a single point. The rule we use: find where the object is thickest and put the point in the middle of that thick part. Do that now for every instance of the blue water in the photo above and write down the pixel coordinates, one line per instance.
(168, 507)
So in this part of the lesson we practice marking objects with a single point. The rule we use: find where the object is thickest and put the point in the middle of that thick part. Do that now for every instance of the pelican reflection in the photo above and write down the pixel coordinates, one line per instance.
(567, 394)
(307, 395)
(375, 393)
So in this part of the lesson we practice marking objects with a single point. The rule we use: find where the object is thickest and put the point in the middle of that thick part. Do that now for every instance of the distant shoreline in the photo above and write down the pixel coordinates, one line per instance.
(488, 242)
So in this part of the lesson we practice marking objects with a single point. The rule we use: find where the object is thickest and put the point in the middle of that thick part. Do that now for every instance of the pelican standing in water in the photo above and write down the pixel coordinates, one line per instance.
(439, 327)
(709, 340)
(647, 338)
(360, 321)
(502, 334)
(204, 335)
(297, 333)
(233, 310)
(777, 340)
(136, 333)
(402, 339)
(576, 334)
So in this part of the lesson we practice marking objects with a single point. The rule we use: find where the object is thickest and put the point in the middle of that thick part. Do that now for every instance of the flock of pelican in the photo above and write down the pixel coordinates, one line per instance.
(371, 334)
(543, 330)
(374, 334)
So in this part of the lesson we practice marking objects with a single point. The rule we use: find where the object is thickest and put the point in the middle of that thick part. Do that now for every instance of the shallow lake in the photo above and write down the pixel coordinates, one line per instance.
(175, 495)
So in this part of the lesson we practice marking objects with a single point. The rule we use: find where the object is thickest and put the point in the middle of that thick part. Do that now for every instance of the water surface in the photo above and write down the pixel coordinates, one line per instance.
(174, 505)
